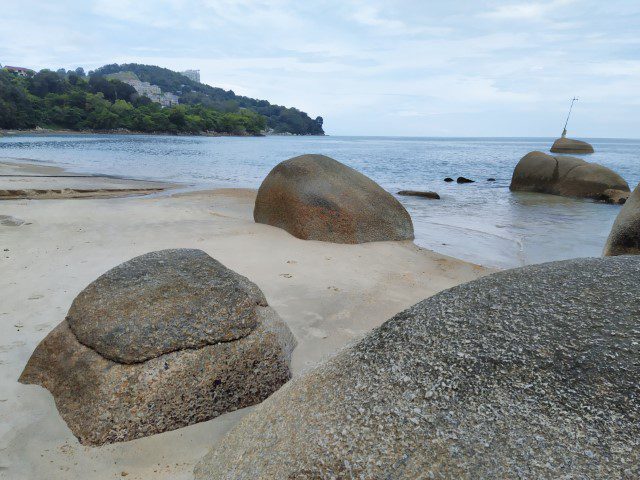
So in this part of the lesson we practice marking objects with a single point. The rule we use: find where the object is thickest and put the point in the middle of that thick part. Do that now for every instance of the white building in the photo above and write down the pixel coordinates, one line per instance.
(192, 75)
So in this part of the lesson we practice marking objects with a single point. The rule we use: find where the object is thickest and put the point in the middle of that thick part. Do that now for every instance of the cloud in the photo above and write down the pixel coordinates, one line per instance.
(526, 11)
(368, 67)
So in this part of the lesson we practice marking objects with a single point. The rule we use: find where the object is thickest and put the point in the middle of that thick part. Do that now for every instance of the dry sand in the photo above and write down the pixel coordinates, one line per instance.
(329, 294)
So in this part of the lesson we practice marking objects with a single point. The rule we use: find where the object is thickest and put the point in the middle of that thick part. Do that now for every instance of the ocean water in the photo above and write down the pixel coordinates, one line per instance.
(481, 222)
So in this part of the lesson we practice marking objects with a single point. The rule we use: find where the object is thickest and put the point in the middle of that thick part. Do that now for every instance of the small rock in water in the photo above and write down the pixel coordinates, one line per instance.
(491, 179)
(448, 179)
(9, 221)
(465, 180)
(417, 193)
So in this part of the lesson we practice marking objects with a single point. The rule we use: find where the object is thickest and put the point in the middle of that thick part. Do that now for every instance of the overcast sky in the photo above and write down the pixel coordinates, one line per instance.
(434, 68)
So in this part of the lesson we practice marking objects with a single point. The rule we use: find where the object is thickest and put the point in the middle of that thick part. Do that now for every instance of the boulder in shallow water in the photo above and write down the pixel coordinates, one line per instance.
(569, 145)
(448, 179)
(162, 341)
(566, 176)
(527, 373)
(624, 238)
(314, 197)
(418, 193)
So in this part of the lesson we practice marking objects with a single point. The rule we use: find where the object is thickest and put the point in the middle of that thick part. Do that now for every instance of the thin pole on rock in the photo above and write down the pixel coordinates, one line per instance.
(564, 130)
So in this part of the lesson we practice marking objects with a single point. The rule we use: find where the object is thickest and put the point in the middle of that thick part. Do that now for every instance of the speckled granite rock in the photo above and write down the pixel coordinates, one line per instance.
(624, 238)
(314, 197)
(569, 145)
(527, 373)
(202, 337)
(566, 176)
(161, 302)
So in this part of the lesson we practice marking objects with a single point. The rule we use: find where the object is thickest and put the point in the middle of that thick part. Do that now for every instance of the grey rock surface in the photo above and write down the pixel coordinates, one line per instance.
(103, 400)
(566, 176)
(161, 302)
(569, 145)
(314, 197)
(624, 238)
(527, 373)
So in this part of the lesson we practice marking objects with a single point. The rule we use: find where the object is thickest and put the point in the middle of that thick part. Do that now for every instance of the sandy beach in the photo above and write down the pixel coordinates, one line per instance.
(328, 294)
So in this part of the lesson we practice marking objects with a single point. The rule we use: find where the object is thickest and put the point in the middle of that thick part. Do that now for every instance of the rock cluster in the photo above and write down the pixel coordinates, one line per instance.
(527, 373)
(314, 197)
(162, 341)
(566, 176)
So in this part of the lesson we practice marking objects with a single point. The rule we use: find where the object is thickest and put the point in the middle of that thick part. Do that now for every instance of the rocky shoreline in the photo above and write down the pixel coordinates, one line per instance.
(530, 371)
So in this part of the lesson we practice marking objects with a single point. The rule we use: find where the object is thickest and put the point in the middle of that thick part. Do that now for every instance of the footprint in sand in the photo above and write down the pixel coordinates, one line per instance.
(36, 296)
(286, 275)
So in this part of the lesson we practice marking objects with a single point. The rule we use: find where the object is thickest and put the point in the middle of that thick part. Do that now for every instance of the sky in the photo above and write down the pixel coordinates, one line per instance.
(405, 68)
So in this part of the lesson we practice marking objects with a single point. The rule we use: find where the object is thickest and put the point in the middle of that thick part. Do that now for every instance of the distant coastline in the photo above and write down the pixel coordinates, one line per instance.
(57, 131)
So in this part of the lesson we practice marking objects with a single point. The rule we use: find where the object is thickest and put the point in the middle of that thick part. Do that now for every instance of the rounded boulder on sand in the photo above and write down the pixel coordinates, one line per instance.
(165, 340)
(314, 197)
(531, 372)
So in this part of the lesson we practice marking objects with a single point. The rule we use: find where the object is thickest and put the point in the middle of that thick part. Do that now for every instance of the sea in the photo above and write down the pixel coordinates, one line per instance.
(482, 222)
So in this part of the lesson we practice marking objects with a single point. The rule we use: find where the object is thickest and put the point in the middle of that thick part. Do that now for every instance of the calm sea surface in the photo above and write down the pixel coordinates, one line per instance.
(482, 222)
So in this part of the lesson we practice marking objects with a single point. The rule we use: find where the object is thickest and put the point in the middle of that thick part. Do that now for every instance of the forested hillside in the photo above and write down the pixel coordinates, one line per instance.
(71, 101)
(75, 101)
(280, 119)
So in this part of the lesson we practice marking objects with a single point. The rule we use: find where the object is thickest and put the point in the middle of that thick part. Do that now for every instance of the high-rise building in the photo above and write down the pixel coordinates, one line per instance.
(192, 75)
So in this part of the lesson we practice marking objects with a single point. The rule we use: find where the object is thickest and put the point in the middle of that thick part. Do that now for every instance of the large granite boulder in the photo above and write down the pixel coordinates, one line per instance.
(566, 176)
(527, 373)
(624, 238)
(569, 145)
(314, 197)
(162, 341)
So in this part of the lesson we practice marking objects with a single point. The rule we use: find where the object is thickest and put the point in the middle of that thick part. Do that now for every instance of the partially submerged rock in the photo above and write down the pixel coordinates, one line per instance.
(464, 180)
(162, 341)
(624, 238)
(527, 373)
(418, 193)
(448, 179)
(566, 176)
(569, 145)
(613, 196)
(314, 197)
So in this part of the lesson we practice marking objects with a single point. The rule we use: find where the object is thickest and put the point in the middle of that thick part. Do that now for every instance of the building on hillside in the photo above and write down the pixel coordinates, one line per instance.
(168, 99)
(192, 75)
(23, 72)
(146, 89)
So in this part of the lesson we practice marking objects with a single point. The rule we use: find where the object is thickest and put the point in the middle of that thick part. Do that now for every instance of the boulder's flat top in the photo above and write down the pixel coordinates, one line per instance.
(530, 370)
(161, 302)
